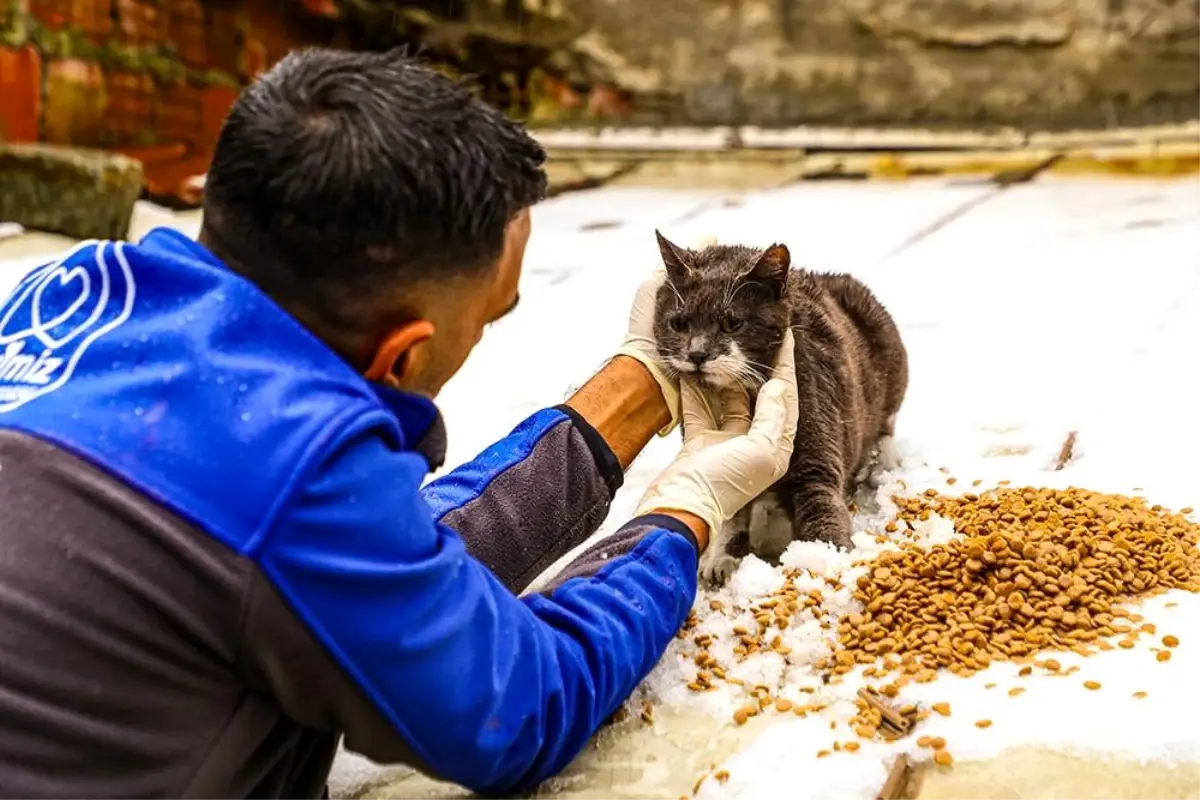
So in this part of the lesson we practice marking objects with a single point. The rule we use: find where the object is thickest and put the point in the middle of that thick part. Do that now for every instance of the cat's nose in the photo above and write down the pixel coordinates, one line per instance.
(698, 357)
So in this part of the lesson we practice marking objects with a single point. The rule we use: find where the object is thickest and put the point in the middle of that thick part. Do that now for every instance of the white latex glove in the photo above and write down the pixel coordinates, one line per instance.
(639, 339)
(729, 458)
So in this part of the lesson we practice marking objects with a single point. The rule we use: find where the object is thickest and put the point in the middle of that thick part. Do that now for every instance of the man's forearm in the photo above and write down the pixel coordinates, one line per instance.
(624, 404)
(546, 487)
(525, 501)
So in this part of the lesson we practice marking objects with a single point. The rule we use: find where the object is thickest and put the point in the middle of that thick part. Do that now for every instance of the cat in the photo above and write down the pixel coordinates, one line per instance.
(719, 319)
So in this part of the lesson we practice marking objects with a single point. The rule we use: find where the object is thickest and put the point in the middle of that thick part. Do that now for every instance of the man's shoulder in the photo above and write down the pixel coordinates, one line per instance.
(158, 365)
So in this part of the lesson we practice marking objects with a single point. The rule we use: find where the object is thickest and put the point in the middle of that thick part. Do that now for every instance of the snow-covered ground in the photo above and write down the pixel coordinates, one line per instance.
(1028, 313)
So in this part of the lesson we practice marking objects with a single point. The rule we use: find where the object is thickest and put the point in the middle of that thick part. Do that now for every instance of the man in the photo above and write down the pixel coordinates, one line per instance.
(215, 555)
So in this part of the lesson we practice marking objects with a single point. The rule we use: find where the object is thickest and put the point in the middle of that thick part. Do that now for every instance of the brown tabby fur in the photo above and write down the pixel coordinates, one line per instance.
(720, 320)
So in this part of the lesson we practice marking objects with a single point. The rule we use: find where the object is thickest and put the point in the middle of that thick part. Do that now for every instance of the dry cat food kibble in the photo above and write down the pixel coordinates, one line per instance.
(1035, 569)
(1030, 570)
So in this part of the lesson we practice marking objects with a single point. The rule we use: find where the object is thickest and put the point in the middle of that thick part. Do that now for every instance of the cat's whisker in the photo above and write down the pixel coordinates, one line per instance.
(748, 382)
(751, 380)
(733, 290)
(729, 291)
(758, 365)
(670, 284)
(745, 363)
(741, 373)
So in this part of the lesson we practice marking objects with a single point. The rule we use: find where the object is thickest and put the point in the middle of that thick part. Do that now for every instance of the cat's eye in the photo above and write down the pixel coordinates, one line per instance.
(731, 324)
(678, 324)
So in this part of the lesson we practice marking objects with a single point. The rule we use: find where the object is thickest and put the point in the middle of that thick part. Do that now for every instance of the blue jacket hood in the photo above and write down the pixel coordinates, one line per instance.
(161, 364)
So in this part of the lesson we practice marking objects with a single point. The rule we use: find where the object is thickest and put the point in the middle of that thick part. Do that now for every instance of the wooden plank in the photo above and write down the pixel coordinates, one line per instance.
(1166, 160)
(727, 139)
(880, 139)
(901, 165)
(671, 139)
(650, 155)
(1141, 160)
(1182, 133)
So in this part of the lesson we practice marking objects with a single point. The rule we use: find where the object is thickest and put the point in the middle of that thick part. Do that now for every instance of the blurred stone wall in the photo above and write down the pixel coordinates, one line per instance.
(961, 63)
(154, 78)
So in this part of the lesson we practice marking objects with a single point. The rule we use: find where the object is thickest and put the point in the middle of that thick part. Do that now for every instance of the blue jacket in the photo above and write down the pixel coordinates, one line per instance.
(159, 373)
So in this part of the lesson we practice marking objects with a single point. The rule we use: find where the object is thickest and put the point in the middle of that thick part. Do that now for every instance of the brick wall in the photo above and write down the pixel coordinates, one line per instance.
(153, 78)
(90, 17)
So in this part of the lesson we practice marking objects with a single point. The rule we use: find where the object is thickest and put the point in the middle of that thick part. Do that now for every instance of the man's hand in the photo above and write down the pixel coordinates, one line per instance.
(729, 458)
(639, 344)
(639, 340)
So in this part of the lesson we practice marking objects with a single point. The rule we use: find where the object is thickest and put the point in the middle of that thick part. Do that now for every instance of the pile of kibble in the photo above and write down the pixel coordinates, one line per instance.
(1035, 569)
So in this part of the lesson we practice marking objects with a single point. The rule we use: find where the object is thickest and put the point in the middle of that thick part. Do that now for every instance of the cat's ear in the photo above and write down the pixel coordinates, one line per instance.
(675, 258)
(771, 269)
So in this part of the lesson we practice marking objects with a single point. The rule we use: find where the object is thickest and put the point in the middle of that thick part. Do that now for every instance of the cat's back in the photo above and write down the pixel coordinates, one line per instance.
(880, 342)
(857, 301)
(815, 310)
(841, 299)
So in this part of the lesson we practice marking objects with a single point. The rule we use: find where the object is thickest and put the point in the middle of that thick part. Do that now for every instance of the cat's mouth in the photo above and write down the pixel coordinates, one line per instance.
(715, 374)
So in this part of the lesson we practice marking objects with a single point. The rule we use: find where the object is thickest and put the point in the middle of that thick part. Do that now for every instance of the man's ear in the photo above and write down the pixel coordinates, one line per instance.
(401, 353)
(675, 258)
(516, 234)
(772, 268)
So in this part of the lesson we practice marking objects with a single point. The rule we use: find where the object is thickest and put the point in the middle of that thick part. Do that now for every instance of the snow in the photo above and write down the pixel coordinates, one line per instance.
(1054, 712)
(1028, 313)
(1024, 321)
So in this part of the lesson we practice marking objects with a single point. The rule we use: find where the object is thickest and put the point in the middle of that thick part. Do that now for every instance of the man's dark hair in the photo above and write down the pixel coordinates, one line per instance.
(338, 174)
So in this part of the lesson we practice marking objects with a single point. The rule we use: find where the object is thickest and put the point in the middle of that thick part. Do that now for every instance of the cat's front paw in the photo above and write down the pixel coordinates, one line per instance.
(840, 538)
(716, 565)
(828, 523)
(837, 531)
